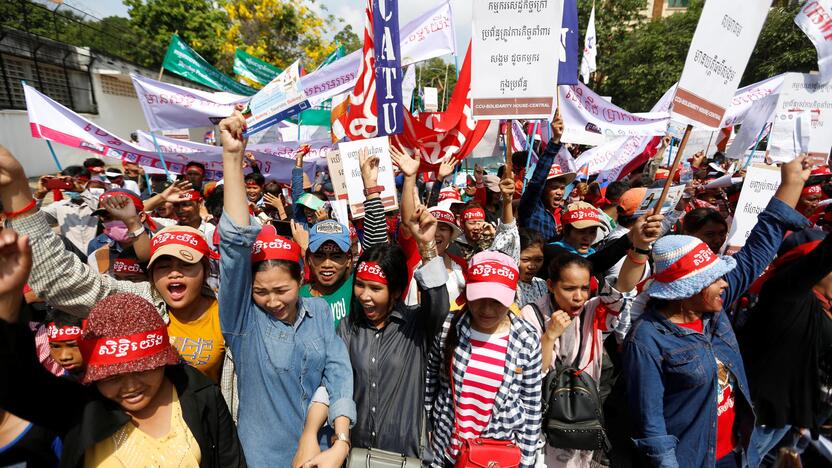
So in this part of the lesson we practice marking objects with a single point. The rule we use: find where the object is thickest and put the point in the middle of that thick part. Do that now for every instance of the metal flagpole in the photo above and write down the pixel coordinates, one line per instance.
(751, 156)
(161, 156)
(54, 156)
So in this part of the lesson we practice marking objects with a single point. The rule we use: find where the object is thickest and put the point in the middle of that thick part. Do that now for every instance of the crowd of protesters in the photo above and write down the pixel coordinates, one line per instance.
(525, 321)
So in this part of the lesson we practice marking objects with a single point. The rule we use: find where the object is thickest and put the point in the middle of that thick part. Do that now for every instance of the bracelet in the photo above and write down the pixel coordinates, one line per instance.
(643, 251)
(14, 214)
(371, 190)
(634, 260)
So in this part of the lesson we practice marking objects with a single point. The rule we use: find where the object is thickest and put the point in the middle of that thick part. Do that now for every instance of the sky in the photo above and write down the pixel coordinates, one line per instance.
(351, 11)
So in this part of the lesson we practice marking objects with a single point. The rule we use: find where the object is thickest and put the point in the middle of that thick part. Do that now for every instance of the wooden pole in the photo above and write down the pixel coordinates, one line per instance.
(673, 168)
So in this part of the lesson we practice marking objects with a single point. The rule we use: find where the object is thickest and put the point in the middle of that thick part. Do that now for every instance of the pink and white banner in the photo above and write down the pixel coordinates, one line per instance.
(51, 121)
(590, 119)
(815, 19)
(168, 106)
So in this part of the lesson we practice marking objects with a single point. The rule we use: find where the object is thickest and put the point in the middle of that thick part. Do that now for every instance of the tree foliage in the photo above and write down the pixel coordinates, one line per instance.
(278, 31)
(649, 58)
(196, 21)
(436, 73)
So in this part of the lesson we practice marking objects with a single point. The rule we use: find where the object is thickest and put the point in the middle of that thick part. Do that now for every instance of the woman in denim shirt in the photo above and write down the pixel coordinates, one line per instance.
(284, 346)
(687, 388)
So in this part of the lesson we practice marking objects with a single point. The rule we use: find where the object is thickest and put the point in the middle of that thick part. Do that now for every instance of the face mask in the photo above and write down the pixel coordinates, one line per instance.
(116, 230)
(96, 192)
(73, 195)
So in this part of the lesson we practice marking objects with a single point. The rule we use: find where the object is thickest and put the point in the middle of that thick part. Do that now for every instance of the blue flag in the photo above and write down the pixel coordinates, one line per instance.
(388, 70)
(568, 69)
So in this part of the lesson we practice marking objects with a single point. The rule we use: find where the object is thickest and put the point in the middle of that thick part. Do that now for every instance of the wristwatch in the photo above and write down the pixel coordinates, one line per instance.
(343, 438)
(136, 233)
(371, 190)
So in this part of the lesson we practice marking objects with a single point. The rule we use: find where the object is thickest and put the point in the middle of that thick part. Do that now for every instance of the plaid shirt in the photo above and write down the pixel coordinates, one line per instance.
(531, 213)
(516, 414)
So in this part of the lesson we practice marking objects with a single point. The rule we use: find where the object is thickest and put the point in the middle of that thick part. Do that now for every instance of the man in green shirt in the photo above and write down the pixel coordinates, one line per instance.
(329, 258)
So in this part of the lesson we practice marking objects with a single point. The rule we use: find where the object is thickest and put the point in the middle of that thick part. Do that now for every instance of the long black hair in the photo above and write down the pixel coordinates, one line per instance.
(393, 263)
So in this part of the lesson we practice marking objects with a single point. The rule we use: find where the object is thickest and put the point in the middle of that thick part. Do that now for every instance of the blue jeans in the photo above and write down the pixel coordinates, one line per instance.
(732, 460)
(766, 438)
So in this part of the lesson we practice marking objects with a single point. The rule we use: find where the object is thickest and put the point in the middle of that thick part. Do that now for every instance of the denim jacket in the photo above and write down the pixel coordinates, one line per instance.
(279, 366)
(672, 372)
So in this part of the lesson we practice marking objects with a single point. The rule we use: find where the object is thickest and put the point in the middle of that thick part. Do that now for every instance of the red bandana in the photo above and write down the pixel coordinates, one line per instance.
(269, 246)
(582, 214)
(476, 214)
(371, 271)
(449, 194)
(493, 272)
(65, 333)
(697, 259)
(120, 349)
(127, 266)
(193, 241)
(252, 183)
(811, 190)
(190, 195)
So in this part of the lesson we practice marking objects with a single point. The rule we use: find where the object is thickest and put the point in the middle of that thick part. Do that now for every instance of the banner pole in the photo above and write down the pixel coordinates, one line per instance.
(161, 156)
(751, 156)
(54, 156)
(674, 167)
(529, 147)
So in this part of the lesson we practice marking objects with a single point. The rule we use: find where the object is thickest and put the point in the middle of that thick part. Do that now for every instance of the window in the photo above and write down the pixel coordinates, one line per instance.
(678, 3)
(116, 87)
(68, 86)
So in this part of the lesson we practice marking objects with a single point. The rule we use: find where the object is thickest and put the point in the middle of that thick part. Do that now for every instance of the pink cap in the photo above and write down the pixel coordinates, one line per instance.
(492, 275)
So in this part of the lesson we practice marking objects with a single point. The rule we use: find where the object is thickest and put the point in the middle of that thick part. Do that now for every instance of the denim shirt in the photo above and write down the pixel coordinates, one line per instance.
(278, 366)
(672, 372)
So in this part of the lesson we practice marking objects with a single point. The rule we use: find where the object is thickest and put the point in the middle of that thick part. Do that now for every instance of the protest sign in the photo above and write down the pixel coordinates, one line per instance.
(589, 119)
(815, 19)
(283, 97)
(514, 64)
(430, 99)
(388, 73)
(169, 106)
(806, 96)
(721, 46)
(650, 199)
(254, 69)
(349, 152)
(185, 62)
(336, 174)
(760, 114)
(408, 86)
(744, 99)
(699, 140)
(760, 183)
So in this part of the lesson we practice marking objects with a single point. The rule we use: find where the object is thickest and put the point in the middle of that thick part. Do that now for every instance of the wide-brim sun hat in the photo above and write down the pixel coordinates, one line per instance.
(555, 172)
(684, 266)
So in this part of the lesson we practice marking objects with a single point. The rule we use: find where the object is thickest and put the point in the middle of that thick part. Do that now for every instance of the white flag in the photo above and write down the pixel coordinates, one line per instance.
(588, 64)
(815, 19)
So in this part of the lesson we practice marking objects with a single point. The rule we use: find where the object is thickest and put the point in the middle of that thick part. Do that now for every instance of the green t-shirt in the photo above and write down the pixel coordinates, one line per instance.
(339, 301)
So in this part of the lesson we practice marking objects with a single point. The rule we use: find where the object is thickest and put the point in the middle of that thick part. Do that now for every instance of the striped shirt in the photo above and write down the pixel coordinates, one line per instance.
(481, 381)
(516, 412)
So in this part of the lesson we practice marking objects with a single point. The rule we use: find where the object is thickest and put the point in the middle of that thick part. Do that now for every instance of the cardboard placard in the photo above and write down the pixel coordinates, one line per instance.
(515, 54)
(349, 152)
(722, 44)
(652, 196)
(336, 174)
(761, 181)
(802, 95)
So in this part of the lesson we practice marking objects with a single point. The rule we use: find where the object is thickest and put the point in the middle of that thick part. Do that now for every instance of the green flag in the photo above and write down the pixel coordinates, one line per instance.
(338, 53)
(254, 69)
(185, 62)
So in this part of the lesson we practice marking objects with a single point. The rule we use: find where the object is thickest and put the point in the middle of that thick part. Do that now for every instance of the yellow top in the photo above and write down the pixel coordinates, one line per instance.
(130, 447)
(200, 342)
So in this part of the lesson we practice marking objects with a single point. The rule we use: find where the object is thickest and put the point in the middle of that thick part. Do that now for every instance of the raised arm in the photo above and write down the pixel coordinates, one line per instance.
(765, 239)
(58, 276)
(534, 189)
(644, 232)
(375, 224)
(297, 187)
